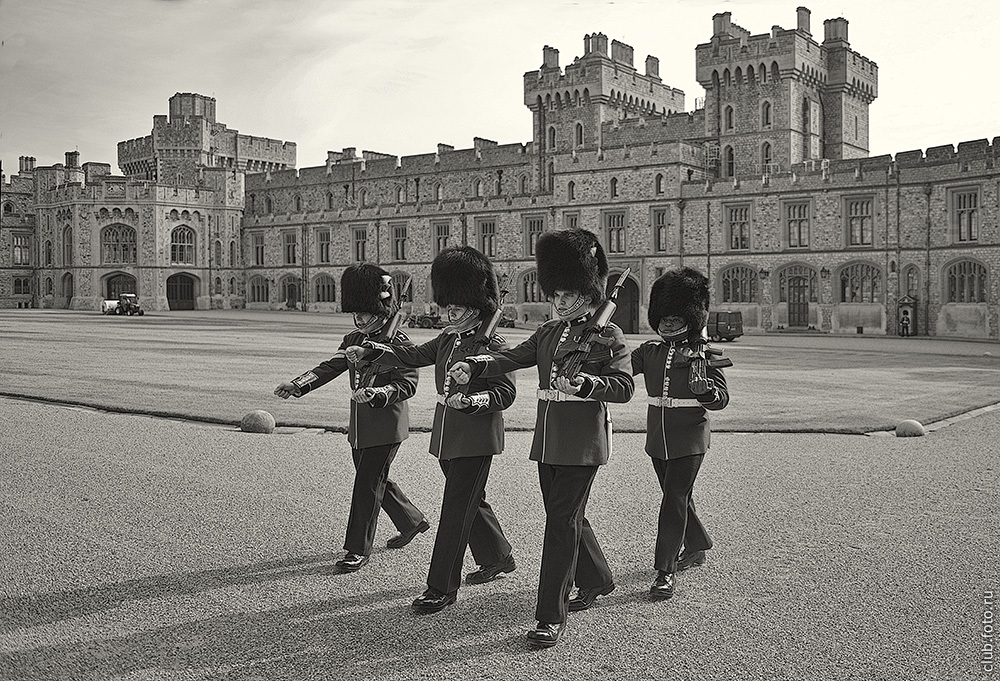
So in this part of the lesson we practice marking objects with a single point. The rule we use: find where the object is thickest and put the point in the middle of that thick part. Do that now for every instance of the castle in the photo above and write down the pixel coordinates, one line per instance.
(766, 186)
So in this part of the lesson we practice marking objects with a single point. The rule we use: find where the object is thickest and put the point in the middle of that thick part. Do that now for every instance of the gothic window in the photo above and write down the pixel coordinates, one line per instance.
(751, 76)
(614, 230)
(729, 159)
(399, 242)
(257, 290)
(49, 286)
(48, 254)
(571, 191)
(232, 286)
(290, 241)
(323, 246)
(765, 158)
(523, 184)
(326, 289)
(860, 283)
(966, 280)
(660, 230)
(739, 284)
(399, 195)
(763, 74)
(530, 292)
(8, 208)
(579, 134)
(442, 232)
(965, 214)
(118, 245)
(182, 246)
(22, 285)
(614, 187)
(363, 197)
(329, 200)
(67, 246)
(232, 254)
(738, 76)
(218, 285)
(533, 227)
(550, 174)
(268, 205)
(859, 221)
(487, 237)
(911, 279)
(22, 250)
(765, 114)
(793, 273)
(439, 192)
(658, 184)
(729, 116)
(552, 139)
(218, 255)
(775, 73)
(477, 188)
(738, 227)
(258, 249)
(797, 220)
(297, 203)
(360, 244)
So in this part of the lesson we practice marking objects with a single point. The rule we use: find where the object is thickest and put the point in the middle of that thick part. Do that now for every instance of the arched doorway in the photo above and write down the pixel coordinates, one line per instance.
(627, 314)
(798, 301)
(67, 289)
(180, 292)
(118, 284)
(291, 292)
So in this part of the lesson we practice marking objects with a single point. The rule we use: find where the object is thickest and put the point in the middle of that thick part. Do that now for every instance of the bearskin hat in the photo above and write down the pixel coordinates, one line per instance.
(680, 293)
(366, 288)
(461, 275)
(572, 260)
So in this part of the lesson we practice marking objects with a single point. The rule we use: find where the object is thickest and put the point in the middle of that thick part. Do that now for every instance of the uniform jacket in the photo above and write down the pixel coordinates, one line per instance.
(384, 420)
(571, 433)
(476, 430)
(676, 432)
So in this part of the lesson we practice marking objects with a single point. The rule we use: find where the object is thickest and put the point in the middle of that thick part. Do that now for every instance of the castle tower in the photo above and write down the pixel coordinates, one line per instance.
(569, 109)
(773, 100)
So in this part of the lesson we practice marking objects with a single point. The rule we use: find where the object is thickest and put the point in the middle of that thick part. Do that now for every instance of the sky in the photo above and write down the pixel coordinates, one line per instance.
(400, 76)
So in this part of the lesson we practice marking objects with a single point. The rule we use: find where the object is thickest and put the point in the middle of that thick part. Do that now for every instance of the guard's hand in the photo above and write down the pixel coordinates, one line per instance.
(569, 386)
(458, 401)
(701, 386)
(460, 372)
(606, 337)
(356, 353)
(286, 390)
(363, 395)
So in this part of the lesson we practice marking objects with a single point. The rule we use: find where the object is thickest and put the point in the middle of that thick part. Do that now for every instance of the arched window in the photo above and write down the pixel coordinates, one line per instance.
(739, 284)
(49, 286)
(218, 255)
(552, 139)
(523, 184)
(362, 197)
(860, 283)
(439, 191)
(67, 246)
(614, 187)
(765, 158)
(232, 286)
(798, 276)
(571, 191)
(579, 134)
(257, 290)
(775, 73)
(118, 245)
(551, 176)
(399, 195)
(268, 205)
(729, 160)
(763, 74)
(182, 246)
(232, 253)
(751, 76)
(658, 183)
(966, 280)
(218, 285)
(326, 289)
(329, 200)
(48, 253)
(530, 292)
(726, 78)
(8, 208)
(477, 188)
(911, 281)
(728, 123)
(738, 76)
(297, 202)
(765, 115)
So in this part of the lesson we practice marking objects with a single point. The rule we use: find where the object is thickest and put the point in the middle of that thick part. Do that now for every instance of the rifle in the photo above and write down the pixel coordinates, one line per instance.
(701, 360)
(368, 371)
(487, 330)
(572, 363)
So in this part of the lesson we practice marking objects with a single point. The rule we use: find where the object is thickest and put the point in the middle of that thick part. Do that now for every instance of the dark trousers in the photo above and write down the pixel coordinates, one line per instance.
(466, 521)
(373, 490)
(678, 523)
(570, 550)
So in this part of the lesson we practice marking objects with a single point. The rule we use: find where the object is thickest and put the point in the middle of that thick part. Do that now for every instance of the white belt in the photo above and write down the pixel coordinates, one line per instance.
(442, 398)
(673, 402)
(559, 396)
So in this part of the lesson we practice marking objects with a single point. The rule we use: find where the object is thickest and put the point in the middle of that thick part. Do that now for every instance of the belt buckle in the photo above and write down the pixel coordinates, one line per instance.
(667, 402)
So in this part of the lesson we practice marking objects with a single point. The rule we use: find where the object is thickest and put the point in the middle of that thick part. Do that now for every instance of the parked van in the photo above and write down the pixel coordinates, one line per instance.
(725, 325)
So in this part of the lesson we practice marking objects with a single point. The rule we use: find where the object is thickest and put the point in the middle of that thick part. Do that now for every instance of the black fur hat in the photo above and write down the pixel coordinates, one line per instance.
(461, 275)
(572, 260)
(363, 288)
(680, 293)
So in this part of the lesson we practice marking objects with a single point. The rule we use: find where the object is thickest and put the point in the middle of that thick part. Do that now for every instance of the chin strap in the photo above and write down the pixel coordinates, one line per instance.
(468, 320)
(578, 309)
(374, 325)
(679, 334)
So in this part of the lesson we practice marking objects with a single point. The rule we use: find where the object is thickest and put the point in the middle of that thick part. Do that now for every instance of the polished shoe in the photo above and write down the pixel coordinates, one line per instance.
(663, 587)
(488, 573)
(686, 560)
(352, 562)
(586, 597)
(546, 634)
(433, 600)
(404, 538)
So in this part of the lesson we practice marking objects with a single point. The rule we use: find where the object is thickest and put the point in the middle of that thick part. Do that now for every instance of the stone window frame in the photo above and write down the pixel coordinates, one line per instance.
(785, 219)
(258, 243)
(325, 288)
(964, 220)
(359, 243)
(615, 235)
(965, 280)
(744, 242)
(441, 233)
(849, 221)
(290, 247)
(739, 283)
(486, 235)
(400, 240)
(532, 227)
(860, 280)
(660, 232)
(324, 239)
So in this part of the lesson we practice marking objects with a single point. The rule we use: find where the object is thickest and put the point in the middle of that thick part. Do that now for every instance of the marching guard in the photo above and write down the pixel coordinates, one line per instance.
(572, 436)
(683, 379)
(468, 428)
(379, 419)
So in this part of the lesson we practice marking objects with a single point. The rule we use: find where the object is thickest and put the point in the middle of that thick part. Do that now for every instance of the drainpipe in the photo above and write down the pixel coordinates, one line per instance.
(927, 264)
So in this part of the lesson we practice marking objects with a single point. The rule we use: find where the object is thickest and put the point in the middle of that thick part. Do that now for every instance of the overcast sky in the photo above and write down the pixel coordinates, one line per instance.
(399, 76)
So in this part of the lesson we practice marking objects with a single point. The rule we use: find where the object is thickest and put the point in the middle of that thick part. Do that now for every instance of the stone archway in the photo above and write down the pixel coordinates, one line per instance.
(180, 292)
(627, 314)
(118, 284)
(67, 289)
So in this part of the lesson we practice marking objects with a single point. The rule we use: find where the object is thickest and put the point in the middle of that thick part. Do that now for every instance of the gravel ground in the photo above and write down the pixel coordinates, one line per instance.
(148, 549)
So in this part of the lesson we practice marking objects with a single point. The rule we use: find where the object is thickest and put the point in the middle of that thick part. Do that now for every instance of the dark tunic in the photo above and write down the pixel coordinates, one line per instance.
(574, 432)
(476, 430)
(675, 432)
(384, 420)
